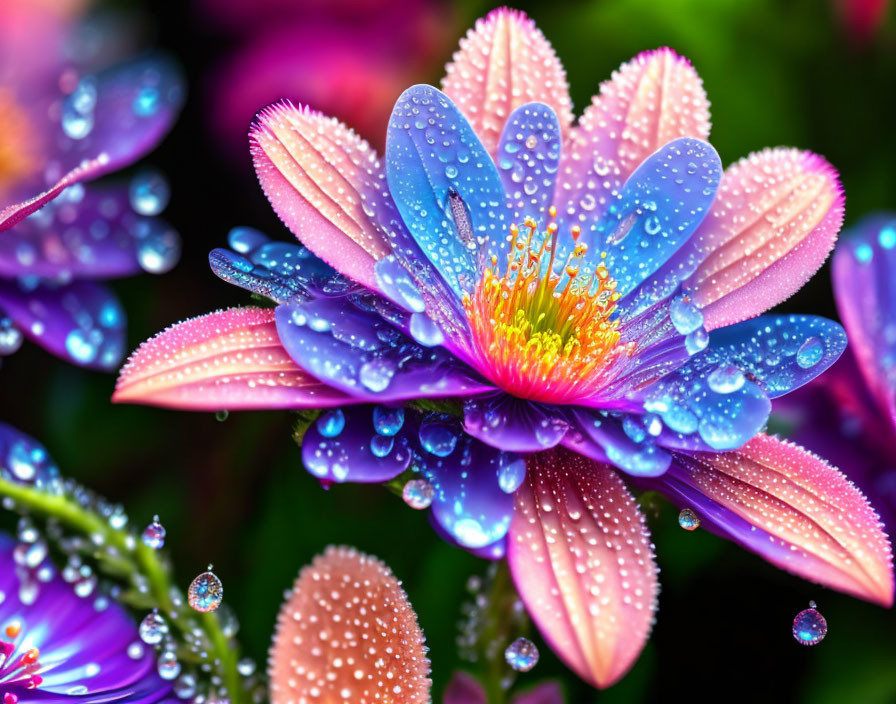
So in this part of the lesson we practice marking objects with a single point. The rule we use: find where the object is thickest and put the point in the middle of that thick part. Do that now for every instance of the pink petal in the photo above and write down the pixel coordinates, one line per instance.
(819, 525)
(545, 693)
(653, 99)
(774, 222)
(464, 689)
(322, 180)
(347, 633)
(502, 63)
(231, 359)
(582, 561)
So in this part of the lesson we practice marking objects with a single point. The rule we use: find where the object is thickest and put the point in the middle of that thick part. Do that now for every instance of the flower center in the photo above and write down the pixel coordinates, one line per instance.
(17, 143)
(18, 670)
(543, 335)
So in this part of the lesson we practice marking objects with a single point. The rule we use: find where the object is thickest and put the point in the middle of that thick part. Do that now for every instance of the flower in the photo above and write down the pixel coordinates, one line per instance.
(61, 123)
(464, 689)
(851, 417)
(528, 311)
(347, 632)
(56, 646)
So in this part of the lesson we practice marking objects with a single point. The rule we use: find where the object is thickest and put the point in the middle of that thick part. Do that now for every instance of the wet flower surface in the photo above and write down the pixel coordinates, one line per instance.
(554, 306)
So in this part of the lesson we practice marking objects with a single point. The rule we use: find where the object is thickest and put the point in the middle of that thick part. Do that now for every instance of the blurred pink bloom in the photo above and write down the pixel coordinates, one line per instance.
(862, 18)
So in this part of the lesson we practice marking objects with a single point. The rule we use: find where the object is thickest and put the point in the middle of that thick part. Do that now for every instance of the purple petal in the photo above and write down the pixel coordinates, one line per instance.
(445, 185)
(88, 233)
(107, 122)
(343, 445)
(346, 345)
(464, 689)
(528, 158)
(545, 693)
(82, 322)
(513, 424)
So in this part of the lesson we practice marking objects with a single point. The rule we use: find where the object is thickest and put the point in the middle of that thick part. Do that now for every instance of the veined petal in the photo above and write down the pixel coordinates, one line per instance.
(89, 232)
(527, 158)
(81, 322)
(790, 507)
(863, 270)
(773, 224)
(445, 185)
(655, 98)
(347, 607)
(108, 121)
(325, 183)
(583, 564)
(504, 62)
(231, 359)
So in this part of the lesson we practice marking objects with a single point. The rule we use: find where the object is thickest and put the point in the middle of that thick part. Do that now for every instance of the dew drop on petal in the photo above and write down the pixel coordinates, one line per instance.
(418, 494)
(696, 341)
(511, 473)
(685, 316)
(521, 655)
(726, 379)
(153, 628)
(809, 626)
(688, 519)
(381, 445)
(149, 192)
(154, 534)
(331, 423)
(376, 374)
(810, 352)
(168, 665)
(205, 592)
(387, 421)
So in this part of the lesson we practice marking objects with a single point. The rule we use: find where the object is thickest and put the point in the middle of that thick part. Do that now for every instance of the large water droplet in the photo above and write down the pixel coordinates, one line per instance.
(726, 379)
(418, 493)
(696, 341)
(521, 655)
(153, 628)
(438, 437)
(810, 352)
(688, 519)
(376, 374)
(331, 423)
(685, 316)
(809, 626)
(425, 331)
(511, 472)
(149, 192)
(168, 665)
(154, 534)
(381, 445)
(388, 421)
(205, 592)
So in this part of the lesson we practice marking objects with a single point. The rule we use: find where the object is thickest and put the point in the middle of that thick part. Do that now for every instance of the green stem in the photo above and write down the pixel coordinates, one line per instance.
(143, 560)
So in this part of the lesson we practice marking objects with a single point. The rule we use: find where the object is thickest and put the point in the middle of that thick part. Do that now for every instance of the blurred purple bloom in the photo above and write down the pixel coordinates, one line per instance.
(63, 122)
(58, 647)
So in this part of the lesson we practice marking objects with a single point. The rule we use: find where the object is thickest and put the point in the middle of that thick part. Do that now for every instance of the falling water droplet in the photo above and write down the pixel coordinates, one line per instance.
(809, 626)
(810, 352)
(168, 665)
(205, 592)
(387, 421)
(331, 423)
(688, 519)
(149, 192)
(726, 379)
(418, 493)
(521, 655)
(153, 628)
(154, 534)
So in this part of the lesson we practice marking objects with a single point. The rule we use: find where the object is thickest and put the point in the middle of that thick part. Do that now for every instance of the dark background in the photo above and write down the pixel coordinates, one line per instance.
(234, 493)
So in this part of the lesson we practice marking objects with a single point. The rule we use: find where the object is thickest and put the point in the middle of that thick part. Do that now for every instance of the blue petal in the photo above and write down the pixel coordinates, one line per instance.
(658, 209)
(528, 158)
(24, 460)
(445, 185)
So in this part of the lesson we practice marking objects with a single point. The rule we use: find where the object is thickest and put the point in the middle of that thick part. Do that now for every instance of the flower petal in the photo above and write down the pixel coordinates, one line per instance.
(445, 185)
(790, 507)
(464, 689)
(504, 62)
(81, 322)
(88, 233)
(347, 607)
(655, 98)
(656, 211)
(583, 564)
(344, 446)
(108, 122)
(544, 693)
(231, 359)
(513, 424)
(528, 157)
(773, 224)
(866, 299)
(325, 183)
(346, 345)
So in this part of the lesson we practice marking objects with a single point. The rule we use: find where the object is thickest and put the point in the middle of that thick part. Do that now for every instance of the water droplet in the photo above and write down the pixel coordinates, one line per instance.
(149, 192)
(154, 534)
(887, 237)
(685, 316)
(80, 347)
(726, 379)
(376, 374)
(809, 626)
(696, 341)
(331, 423)
(10, 336)
(158, 246)
(425, 331)
(688, 519)
(511, 472)
(438, 437)
(246, 667)
(418, 493)
(136, 650)
(388, 421)
(153, 628)
(205, 592)
(521, 655)
(810, 352)
(222, 415)
(146, 102)
(381, 445)
(168, 665)
(185, 687)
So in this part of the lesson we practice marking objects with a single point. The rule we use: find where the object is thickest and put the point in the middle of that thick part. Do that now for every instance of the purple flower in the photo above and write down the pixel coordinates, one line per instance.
(527, 311)
(63, 122)
(58, 647)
